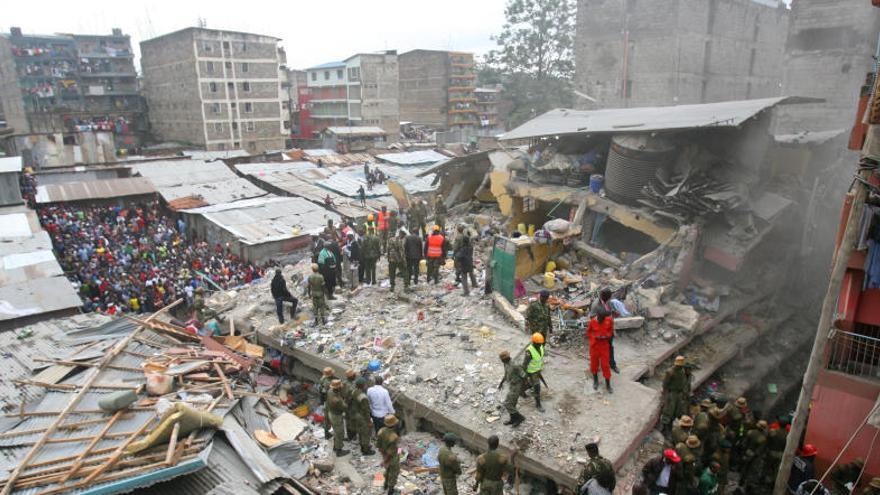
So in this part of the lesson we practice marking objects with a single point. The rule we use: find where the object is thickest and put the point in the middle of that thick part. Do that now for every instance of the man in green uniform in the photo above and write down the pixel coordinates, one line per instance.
(397, 260)
(514, 376)
(675, 390)
(741, 421)
(388, 441)
(348, 390)
(713, 434)
(538, 316)
(336, 411)
(202, 312)
(324, 389)
(315, 289)
(682, 430)
(533, 365)
(598, 468)
(440, 212)
(776, 439)
(709, 480)
(722, 457)
(371, 250)
(490, 467)
(419, 218)
(754, 455)
(363, 420)
(450, 467)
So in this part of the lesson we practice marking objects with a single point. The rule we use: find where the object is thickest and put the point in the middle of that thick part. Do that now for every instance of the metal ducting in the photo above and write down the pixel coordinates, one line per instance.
(633, 161)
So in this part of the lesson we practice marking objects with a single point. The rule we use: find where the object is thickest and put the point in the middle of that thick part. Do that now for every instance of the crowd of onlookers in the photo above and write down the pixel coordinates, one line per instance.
(137, 258)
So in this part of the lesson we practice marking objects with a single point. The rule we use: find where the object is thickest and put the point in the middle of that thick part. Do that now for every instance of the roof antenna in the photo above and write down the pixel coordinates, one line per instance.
(202, 22)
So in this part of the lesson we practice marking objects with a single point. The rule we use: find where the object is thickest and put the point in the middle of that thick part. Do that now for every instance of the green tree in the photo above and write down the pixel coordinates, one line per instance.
(534, 59)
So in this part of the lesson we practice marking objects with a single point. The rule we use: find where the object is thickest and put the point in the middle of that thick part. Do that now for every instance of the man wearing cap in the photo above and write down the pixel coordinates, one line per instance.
(397, 260)
(370, 226)
(383, 224)
(598, 470)
(802, 467)
(412, 247)
(371, 250)
(713, 434)
(753, 457)
(336, 411)
(515, 377)
(348, 391)
(361, 419)
(450, 466)
(435, 253)
(490, 467)
(662, 474)
(675, 392)
(777, 436)
(538, 315)
(323, 390)
(533, 365)
(682, 430)
(440, 212)
(387, 441)
(282, 294)
(722, 457)
(327, 265)
(693, 447)
(380, 402)
(315, 289)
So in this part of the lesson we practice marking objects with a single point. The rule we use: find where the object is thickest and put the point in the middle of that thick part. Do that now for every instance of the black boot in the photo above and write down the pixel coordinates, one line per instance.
(615, 369)
(368, 452)
(511, 420)
(595, 382)
(340, 452)
(518, 419)
(608, 386)
(538, 403)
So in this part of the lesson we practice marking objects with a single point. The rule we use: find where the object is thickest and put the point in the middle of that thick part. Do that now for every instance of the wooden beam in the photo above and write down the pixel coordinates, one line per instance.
(226, 386)
(65, 386)
(77, 463)
(172, 444)
(120, 451)
(87, 364)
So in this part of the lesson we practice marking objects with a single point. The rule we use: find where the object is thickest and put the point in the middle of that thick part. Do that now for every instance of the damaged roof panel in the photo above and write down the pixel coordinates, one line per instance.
(96, 189)
(422, 157)
(563, 121)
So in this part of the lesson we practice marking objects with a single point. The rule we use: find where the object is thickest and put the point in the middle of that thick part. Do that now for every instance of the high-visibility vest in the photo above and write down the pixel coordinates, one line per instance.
(383, 221)
(537, 362)
(370, 227)
(435, 245)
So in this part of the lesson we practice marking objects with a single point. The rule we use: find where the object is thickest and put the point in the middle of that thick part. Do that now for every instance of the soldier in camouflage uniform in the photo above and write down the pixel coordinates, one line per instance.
(316, 290)
(598, 468)
(387, 441)
(397, 260)
(538, 316)
(336, 411)
(362, 419)
(682, 430)
(754, 455)
(515, 378)
(450, 467)
(324, 389)
(348, 390)
(722, 457)
(490, 467)
(675, 392)
(440, 212)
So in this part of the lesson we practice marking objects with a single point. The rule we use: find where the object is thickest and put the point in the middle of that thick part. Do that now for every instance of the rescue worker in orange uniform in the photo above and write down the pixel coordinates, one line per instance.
(600, 331)
(435, 253)
(383, 221)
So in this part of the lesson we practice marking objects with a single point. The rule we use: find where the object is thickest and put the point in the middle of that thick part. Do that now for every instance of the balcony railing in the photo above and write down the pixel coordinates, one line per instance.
(854, 354)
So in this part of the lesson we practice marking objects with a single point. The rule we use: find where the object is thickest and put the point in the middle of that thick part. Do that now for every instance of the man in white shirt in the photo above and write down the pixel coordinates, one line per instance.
(380, 403)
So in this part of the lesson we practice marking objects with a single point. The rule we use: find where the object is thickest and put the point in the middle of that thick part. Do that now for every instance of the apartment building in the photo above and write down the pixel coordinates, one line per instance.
(216, 89)
(437, 89)
(361, 90)
(71, 82)
(668, 52)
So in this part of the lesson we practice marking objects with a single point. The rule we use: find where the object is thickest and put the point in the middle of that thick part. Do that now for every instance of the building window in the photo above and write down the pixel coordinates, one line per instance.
(207, 47)
(326, 75)
(244, 47)
(233, 105)
(314, 76)
(244, 67)
(354, 73)
(226, 45)
(221, 146)
(234, 126)
(218, 126)
(228, 65)
(339, 74)
(246, 87)
(213, 87)
(231, 87)
(210, 67)
(250, 127)
(236, 144)
(287, 124)
(248, 107)
(215, 108)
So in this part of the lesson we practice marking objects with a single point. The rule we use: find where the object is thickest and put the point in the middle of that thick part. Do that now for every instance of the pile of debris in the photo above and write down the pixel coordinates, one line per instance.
(692, 194)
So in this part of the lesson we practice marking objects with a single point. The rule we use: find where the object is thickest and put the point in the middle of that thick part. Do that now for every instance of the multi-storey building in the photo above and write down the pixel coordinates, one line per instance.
(70, 82)
(437, 89)
(362, 90)
(487, 107)
(216, 89)
(668, 52)
(291, 82)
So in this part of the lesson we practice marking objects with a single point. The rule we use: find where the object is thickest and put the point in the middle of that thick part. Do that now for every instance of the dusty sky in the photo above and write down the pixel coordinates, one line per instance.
(313, 32)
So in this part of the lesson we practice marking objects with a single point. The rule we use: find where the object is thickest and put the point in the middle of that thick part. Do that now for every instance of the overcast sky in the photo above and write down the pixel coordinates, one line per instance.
(313, 32)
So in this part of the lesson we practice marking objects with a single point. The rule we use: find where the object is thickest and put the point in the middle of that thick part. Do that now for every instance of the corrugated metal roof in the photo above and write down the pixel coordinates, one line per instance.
(19, 224)
(215, 155)
(260, 220)
(722, 114)
(328, 65)
(809, 137)
(212, 182)
(186, 203)
(360, 131)
(10, 164)
(259, 169)
(214, 193)
(424, 157)
(319, 152)
(96, 189)
(37, 296)
(347, 181)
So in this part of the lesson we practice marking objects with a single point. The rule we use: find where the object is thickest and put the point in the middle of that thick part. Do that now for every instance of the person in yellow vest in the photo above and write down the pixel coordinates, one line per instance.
(435, 253)
(370, 226)
(533, 364)
(382, 225)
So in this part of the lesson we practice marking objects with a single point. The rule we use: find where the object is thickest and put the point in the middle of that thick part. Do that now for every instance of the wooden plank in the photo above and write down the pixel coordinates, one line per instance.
(120, 451)
(226, 386)
(77, 463)
(172, 444)
(64, 386)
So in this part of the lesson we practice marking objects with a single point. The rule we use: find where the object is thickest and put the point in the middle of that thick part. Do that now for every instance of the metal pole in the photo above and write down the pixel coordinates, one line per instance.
(841, 257)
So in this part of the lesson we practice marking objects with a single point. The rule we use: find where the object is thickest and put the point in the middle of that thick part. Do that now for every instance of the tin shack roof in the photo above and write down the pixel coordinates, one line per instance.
(212, 182)
(423, 157)
(563, 121)
(96, 189)
(10, 164)
(361, 131)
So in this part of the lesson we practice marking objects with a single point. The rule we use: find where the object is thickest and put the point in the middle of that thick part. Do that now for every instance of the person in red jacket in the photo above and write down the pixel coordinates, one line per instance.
(600, 331)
